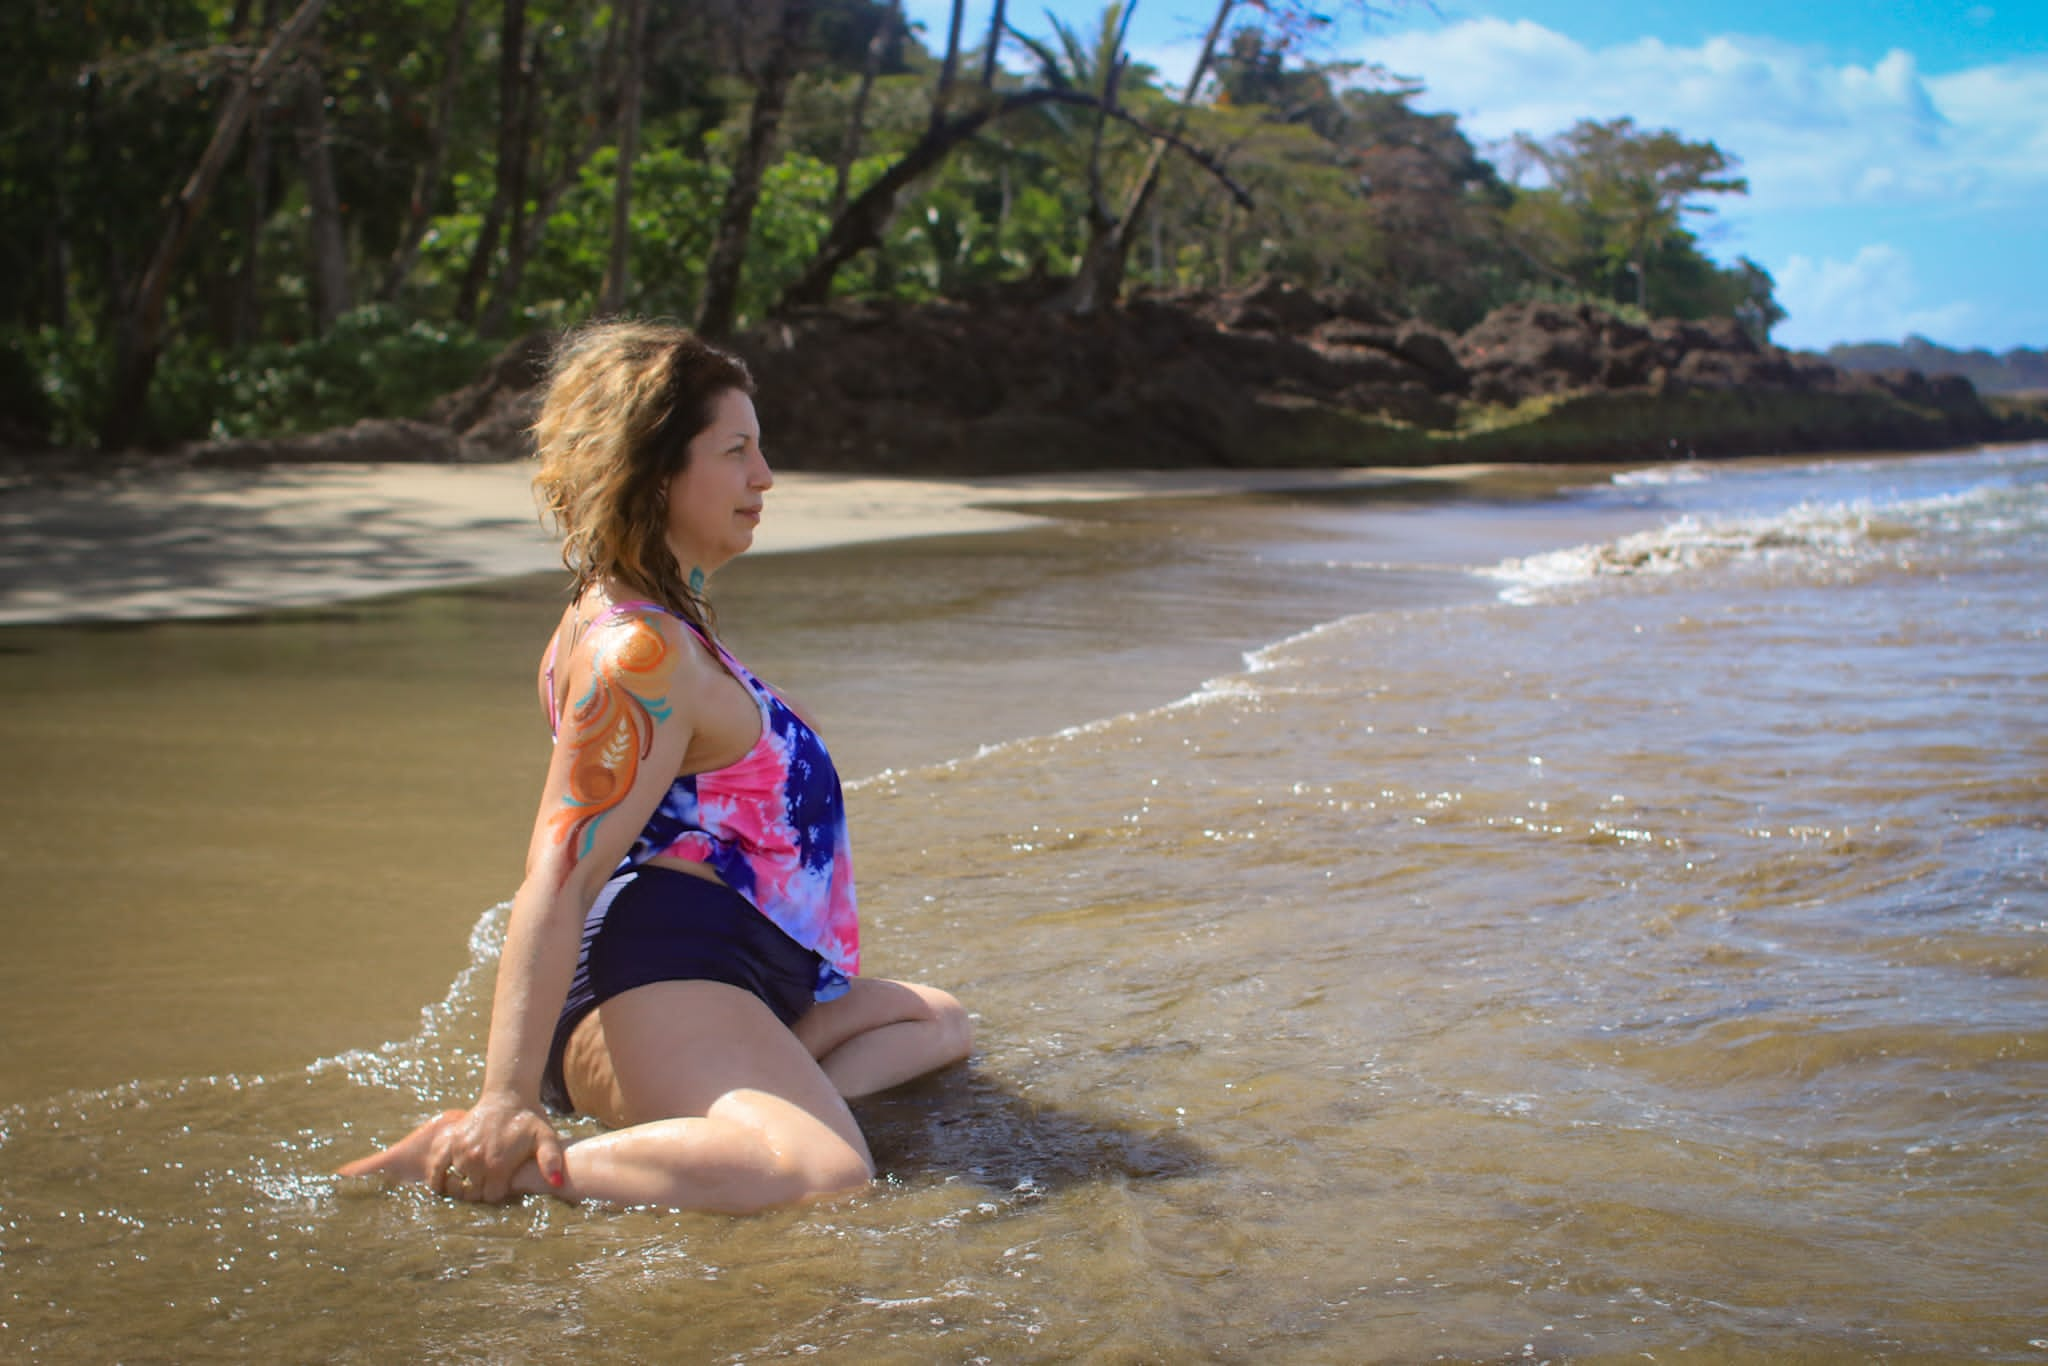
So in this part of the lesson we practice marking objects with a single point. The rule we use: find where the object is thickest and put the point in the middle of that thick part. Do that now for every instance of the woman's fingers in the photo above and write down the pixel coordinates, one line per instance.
(547, 1155)
(438, 1153)
(486, 1153)
(459, 1161)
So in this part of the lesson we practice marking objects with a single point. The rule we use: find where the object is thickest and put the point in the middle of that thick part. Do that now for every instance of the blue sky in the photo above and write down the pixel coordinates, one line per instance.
(1897, 153)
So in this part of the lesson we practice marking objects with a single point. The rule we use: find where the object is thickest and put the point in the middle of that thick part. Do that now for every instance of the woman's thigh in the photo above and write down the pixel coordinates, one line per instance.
(871, 1003)
(674, 1050)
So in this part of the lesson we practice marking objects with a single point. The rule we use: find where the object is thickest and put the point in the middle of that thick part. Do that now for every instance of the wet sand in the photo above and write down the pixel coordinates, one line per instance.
(133, 542)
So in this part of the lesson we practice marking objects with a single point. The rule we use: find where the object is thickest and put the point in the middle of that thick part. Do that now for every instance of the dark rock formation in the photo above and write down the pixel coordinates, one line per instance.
(1271, 375)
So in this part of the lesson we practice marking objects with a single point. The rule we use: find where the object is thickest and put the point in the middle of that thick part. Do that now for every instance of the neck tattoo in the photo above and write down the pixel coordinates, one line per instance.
(697, 581)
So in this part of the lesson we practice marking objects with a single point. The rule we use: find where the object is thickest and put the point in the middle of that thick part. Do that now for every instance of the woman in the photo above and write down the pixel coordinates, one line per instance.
(691, 834)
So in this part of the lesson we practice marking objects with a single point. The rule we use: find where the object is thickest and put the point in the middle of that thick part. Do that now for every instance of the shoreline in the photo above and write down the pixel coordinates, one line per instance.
(135, 544)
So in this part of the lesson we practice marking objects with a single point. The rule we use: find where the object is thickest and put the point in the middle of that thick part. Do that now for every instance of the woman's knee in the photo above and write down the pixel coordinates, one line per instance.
(811, 1157)
(953, 1027)
(834, 1170)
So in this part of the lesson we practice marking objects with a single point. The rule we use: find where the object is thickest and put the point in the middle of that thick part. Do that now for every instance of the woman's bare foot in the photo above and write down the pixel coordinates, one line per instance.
(405, 1160)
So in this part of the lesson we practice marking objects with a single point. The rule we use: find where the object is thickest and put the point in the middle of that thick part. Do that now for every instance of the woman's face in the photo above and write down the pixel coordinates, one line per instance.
(715, 503)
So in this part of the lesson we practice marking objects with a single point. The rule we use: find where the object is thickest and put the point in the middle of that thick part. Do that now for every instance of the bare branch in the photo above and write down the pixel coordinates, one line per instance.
(860, 227)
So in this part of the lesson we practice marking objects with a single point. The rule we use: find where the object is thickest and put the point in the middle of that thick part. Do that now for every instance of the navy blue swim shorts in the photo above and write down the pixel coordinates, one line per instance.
(658, 925)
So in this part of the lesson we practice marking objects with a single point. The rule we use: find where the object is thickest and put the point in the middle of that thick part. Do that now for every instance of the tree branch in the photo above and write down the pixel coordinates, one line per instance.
(859, 228)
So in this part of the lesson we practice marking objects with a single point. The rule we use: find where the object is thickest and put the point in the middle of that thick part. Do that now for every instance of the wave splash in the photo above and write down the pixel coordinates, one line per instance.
(1813, 536)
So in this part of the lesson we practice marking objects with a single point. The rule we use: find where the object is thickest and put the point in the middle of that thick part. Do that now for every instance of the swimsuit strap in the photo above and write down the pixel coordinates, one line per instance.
(633, 605)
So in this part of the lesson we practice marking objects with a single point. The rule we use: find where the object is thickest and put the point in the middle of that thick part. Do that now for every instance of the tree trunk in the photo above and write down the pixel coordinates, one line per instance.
(247, 322)
(511, 158)
(327, 244)
(1097, 270)
(427, 180)
(574, 159)
(1227, 247)
(944, 90)
(996, 22)
(1099, 282)
(719, 309)
(518, 237)
(139, 331)
(860, 225)
(856, 118)
(55, 305)
(617, 274)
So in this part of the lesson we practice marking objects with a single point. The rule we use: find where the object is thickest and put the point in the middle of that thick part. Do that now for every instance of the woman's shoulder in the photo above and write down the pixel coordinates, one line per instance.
(638, 634)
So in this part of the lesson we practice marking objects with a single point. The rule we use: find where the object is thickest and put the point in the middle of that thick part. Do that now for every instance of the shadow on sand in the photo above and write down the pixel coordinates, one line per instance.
(968, 1125)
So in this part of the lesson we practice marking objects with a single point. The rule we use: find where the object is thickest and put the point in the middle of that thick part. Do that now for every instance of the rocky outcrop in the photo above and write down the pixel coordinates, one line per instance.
(1527, 351)
(1243, 379)
(1270, 375)
(1274, 375)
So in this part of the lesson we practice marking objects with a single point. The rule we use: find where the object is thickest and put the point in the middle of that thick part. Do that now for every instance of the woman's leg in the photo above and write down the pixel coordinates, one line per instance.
(746, 1121)
(753, 1121)
(883, 1033)
(712, 1103)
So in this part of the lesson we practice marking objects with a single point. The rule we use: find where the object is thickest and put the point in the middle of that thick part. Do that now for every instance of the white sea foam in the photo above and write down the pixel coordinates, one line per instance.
(1809, 533)
(1657, 476)
(1813, 533)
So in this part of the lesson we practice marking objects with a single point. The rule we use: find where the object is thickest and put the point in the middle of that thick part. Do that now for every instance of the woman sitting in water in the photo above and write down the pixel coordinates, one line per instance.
(691, 834)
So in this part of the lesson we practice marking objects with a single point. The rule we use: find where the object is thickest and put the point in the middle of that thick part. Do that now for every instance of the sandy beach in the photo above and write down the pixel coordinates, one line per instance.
(172, 542)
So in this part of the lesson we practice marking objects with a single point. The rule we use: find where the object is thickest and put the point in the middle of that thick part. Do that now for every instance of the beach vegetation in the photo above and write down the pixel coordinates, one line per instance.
(221, 217)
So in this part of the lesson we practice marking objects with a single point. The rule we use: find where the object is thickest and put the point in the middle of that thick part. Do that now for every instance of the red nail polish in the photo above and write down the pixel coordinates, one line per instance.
(555, 1180)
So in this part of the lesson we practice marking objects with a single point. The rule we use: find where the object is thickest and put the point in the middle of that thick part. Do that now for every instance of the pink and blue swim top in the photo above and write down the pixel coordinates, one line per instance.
(772, 825)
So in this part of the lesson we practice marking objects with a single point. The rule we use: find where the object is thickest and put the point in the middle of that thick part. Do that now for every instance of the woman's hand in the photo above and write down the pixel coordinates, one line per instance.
(477, 1157)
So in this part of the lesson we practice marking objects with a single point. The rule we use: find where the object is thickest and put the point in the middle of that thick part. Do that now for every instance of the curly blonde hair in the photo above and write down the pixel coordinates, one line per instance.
(623, 401)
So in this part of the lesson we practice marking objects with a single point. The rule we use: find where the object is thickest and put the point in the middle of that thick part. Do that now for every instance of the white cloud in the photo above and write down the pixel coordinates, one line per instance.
(1809, 132)
(1870, 297)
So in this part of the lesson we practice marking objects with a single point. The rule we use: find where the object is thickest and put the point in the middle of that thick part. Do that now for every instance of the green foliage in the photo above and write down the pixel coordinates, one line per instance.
(55, 383)
(375, 362)
(673, 220)
(1611, 210)
(1572, 297)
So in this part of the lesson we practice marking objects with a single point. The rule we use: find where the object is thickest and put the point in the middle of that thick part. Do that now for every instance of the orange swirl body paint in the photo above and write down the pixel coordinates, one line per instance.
(610, 731)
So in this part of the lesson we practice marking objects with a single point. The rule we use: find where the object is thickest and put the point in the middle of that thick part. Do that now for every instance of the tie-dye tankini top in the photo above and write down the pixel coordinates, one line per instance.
(772, 826)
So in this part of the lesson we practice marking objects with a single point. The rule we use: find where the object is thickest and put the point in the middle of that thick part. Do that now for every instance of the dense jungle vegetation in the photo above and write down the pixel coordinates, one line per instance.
(228, 217)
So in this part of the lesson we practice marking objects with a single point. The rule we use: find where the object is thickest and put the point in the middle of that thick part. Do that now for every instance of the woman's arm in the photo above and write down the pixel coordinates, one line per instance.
(623, 735)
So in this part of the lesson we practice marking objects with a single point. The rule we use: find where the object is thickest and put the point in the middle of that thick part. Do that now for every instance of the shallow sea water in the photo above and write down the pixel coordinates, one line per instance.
(1594, 917)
